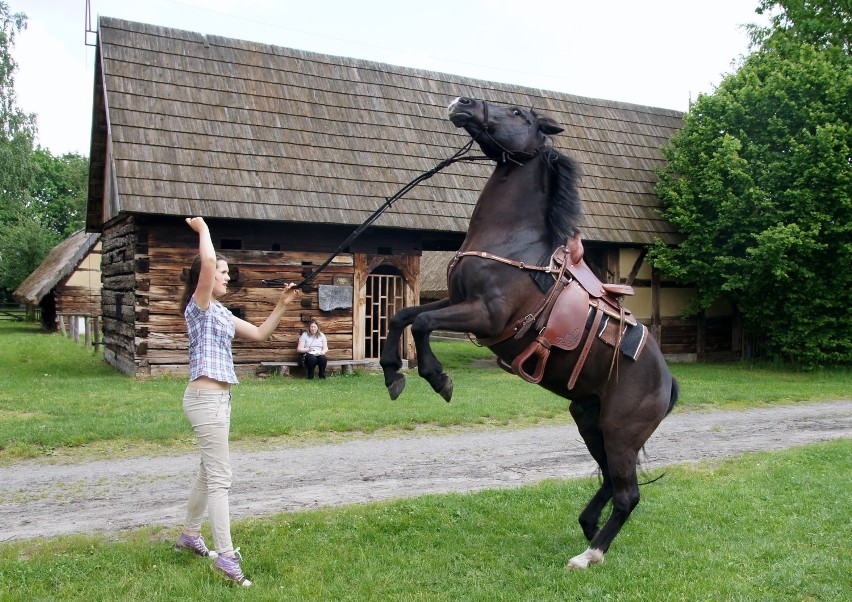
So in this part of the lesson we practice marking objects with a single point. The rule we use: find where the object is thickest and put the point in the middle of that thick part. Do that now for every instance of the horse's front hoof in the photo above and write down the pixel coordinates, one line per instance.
(447, 390)
(396, 387)
(586, 559)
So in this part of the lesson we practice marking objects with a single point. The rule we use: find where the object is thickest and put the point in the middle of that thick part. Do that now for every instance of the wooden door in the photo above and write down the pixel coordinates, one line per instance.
(385, 295)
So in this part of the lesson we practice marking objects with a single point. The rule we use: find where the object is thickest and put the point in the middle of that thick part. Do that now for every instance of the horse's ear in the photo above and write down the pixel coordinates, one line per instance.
(549, 127)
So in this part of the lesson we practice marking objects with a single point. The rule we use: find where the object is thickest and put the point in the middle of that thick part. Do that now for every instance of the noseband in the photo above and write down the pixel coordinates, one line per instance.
(515, 156)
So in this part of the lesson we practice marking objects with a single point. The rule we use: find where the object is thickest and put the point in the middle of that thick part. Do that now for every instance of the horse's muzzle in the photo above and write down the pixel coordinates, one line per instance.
(460, 111)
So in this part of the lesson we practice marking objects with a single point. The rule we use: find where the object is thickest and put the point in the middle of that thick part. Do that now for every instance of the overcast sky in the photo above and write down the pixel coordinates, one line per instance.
(660, 53)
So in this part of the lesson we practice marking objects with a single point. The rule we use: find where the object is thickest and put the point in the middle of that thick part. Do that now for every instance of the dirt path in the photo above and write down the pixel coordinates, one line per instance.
(38, 500)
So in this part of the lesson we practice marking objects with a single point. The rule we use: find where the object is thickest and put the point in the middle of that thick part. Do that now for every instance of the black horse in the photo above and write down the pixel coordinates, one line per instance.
(527, 209)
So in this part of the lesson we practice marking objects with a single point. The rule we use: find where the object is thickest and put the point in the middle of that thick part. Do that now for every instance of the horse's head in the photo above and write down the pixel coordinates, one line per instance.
(512, 134)
(502, 131)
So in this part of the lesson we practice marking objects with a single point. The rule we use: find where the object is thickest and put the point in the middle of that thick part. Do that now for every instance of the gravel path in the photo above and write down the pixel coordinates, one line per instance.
(38, 499)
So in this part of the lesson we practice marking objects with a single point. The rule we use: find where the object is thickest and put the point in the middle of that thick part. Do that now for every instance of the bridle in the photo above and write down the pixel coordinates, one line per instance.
(507, 154)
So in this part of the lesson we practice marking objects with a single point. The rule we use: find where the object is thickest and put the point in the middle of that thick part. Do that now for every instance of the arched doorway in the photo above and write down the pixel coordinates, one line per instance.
(385, 295)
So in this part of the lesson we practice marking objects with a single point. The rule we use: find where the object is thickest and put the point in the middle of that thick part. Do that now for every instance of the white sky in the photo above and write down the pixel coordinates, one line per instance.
(659, 53)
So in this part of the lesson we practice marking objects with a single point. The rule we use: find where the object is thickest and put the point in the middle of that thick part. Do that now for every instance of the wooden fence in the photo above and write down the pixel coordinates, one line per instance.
(13, 312)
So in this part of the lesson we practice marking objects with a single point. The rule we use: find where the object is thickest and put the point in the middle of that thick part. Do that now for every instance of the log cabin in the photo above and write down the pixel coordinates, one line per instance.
(286, 152)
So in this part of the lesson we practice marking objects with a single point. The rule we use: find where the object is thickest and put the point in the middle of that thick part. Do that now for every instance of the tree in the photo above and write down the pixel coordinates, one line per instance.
(51, 209)
(17, 129)
(42, 198)
(759, 182)
(23, 246)
(821, 23)
(58, 191)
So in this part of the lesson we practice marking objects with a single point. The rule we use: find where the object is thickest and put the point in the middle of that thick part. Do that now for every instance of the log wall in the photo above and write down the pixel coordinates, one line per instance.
(80, 293)
(144, 256)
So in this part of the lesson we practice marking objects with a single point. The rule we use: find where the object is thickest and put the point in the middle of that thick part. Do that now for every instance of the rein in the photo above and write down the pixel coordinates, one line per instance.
(459, 155)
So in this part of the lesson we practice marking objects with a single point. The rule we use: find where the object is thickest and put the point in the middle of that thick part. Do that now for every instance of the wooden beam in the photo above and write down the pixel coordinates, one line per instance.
(637, 265)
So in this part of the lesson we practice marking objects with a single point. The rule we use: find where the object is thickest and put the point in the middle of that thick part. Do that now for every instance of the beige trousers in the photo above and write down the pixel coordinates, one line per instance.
(209, 413)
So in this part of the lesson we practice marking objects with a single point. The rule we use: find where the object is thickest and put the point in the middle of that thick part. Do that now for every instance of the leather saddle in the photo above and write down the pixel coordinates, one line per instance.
(561, 322)
(609, 294)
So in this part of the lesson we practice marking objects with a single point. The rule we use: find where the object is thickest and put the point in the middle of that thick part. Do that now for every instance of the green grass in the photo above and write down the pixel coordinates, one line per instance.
(765, 526)
(57, 398)
(740, 385)
(757, 527)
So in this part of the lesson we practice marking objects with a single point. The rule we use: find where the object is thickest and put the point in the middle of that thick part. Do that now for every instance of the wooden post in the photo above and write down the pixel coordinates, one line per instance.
(96, 334)
(656, 323)
(612, 266)
(359, 305)
(88, 340)
(62, 325)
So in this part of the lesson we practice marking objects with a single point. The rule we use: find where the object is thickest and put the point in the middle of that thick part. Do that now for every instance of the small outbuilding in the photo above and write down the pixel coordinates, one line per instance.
(66, 286)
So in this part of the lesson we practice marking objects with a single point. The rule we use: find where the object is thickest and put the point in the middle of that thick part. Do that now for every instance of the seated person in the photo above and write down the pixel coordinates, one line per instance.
(314, 345)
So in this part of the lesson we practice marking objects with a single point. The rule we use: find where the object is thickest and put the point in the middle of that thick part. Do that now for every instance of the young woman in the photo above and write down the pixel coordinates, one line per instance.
(314, 345)
(207, 399)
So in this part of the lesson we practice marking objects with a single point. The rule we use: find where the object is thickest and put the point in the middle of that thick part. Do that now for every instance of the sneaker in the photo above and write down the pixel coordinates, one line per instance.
(229, 568)
(195, 544)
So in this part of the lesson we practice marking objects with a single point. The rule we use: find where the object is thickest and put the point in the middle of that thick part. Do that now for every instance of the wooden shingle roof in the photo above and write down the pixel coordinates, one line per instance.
(188, 124)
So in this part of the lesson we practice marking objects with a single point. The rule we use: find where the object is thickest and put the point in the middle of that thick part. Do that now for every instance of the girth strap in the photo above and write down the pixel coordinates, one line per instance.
(584, 353)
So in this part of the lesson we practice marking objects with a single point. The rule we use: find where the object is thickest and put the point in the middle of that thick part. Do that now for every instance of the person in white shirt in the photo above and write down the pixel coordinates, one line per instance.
(314, 345)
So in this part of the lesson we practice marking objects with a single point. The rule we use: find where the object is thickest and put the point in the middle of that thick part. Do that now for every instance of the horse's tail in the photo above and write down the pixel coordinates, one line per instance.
(674, 395)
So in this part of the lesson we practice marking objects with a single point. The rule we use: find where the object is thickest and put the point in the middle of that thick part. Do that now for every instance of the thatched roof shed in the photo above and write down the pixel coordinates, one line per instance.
(59, 264)
(433, 274)
(239, 130)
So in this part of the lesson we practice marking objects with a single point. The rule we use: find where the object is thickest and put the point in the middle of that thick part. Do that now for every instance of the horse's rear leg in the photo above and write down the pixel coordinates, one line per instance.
(622, 439)
(391, 360)
(587, 416)
(613, 439)
(625, 497)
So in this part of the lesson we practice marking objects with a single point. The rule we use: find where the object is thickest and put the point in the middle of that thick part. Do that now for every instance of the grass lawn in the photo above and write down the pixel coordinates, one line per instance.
(767, 526)
(59, 399)
(764, 526)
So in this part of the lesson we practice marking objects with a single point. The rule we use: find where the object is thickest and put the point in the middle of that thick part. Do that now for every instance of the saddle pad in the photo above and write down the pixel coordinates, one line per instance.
(632, 341)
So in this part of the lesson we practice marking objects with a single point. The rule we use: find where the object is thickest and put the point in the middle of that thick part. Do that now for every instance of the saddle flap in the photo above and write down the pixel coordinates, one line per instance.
(567, 319)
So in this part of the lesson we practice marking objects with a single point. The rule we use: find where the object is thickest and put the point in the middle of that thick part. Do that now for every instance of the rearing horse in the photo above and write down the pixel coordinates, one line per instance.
(528, 207)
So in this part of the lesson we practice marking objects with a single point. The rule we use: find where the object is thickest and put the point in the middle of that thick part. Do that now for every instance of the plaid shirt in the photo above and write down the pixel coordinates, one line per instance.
(210, 335)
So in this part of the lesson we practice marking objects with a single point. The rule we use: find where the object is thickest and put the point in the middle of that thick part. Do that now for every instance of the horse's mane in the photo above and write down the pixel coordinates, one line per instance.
(564, 210)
